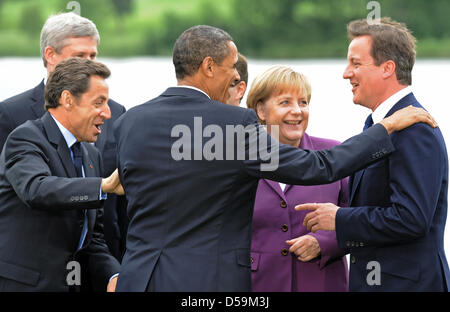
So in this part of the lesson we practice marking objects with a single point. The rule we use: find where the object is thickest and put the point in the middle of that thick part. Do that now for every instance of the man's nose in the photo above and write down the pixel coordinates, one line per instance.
(347, 73)
(106, 112)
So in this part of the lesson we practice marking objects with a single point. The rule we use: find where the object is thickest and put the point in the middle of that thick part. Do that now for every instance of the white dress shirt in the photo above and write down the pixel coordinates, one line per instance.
(384, 108)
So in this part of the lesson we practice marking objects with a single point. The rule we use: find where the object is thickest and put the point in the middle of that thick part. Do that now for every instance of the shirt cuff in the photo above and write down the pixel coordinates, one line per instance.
(115, 275)
(102, 196)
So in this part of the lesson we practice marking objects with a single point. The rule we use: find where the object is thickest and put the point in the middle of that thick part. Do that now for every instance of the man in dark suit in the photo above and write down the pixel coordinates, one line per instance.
(51, 195)
(395, 228)
(191, 191)
(69, 35)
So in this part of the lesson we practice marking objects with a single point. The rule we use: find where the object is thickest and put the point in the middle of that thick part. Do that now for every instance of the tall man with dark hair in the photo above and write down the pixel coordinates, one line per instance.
(190, 201)
(395, 228)
(51, 196)
(69, 35)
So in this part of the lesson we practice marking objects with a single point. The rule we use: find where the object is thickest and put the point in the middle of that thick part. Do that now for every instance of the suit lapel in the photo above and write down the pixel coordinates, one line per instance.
(56, 138)
(276, 187)
(38, 101)
(353, 184)
(356, 178)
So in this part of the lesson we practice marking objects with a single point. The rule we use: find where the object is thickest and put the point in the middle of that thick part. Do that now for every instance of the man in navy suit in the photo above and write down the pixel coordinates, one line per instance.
(395, 228)
(190, 166)
(51, 195)
(69, 35)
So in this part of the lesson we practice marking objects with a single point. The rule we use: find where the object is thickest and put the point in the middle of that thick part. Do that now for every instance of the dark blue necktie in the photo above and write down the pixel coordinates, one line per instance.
(77, 158)
(78, 163)
(368, 123)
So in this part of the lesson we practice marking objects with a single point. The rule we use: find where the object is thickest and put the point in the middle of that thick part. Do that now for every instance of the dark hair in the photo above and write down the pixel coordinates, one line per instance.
(197, 43)
(241, 67)
(391, 40)
(74, 76)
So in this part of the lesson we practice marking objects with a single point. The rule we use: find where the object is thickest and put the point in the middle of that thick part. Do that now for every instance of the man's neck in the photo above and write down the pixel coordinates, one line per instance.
(389, 103)
(193, 83)
(390, 90)
(57, 114)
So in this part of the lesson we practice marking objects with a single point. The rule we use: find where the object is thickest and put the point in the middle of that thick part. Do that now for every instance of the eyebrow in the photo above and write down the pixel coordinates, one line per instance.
(288, 97)
(101, 97)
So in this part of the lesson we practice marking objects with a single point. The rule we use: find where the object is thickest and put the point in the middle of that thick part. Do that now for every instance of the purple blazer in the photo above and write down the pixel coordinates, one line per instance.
(275, 221)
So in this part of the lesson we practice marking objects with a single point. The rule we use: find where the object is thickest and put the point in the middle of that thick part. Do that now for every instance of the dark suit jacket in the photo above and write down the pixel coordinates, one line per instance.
(399, 214)
(29, 106)
(41, 203)
(190, 220)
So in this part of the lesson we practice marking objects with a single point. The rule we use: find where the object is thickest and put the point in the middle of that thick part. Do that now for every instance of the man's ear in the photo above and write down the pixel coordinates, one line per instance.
(66, 100)
(207, 67)
(242, 86)
(50, 55)
(260, 112)
(388, 69)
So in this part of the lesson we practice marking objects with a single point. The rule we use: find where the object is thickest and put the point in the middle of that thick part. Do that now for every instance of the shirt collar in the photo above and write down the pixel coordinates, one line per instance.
(384, 108)
(68, 136)
(194, 88)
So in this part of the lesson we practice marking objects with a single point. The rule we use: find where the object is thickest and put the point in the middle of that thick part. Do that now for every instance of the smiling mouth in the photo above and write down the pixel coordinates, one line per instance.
(293, 122)
(355, 85)
(98, 127)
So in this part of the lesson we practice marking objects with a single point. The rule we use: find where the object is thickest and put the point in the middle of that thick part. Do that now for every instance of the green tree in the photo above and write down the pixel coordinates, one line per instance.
(123, 7)
(31, 20)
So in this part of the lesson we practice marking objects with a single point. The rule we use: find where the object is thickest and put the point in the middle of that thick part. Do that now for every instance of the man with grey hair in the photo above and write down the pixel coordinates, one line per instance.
(69, 35)
(190, 218)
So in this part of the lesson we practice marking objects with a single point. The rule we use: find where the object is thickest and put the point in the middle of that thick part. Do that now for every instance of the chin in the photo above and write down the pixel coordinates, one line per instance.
(91, 139)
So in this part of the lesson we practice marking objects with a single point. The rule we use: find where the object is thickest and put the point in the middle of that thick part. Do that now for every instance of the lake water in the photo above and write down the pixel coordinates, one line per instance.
(332, 112)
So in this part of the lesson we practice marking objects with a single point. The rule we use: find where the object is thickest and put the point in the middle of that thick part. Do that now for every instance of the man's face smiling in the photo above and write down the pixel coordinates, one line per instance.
(89, 112)
(226, 73)
(365, 77)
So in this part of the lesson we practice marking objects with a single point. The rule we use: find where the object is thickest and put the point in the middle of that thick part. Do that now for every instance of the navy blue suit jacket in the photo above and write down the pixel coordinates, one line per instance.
(29, 105)
(41, 216)
(399, 214)
(190, 220)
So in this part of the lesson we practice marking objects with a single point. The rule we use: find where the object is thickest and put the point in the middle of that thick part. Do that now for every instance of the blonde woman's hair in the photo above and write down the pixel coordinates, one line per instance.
(274, 81)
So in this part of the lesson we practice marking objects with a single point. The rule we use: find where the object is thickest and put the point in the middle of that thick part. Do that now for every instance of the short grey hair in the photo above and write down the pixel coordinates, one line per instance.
(197, 43)
(62, 26)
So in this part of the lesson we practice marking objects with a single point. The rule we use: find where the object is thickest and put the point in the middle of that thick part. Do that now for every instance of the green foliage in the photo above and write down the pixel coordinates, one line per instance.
(261, 28)
(123, 7)
(31, 19)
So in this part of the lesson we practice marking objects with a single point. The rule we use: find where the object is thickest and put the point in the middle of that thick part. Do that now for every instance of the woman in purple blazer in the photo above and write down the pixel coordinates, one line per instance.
(285, 255)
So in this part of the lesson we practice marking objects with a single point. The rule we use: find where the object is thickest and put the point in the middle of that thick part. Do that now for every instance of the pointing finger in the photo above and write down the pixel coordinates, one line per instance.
(308, 206)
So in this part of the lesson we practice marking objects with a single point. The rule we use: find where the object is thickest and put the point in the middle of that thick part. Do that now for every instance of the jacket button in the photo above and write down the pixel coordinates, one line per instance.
(284, 228)
(353, 259)
(283, 204)
(284, 252)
